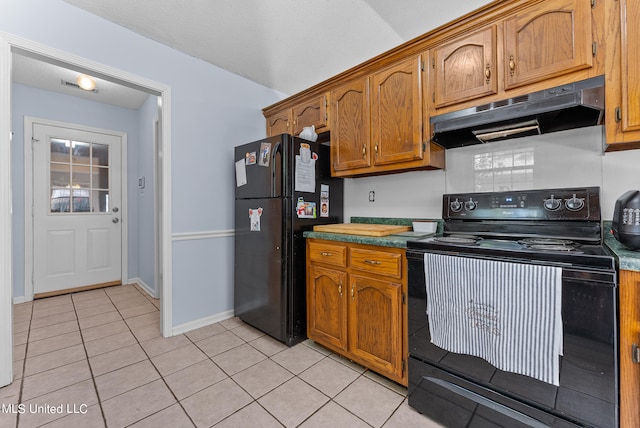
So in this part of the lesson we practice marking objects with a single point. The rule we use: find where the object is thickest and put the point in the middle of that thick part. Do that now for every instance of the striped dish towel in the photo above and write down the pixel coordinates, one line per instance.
(506, 313)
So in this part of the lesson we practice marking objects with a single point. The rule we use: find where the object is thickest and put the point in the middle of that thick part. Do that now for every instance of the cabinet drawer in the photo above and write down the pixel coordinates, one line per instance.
(328, 253)
(379, 262)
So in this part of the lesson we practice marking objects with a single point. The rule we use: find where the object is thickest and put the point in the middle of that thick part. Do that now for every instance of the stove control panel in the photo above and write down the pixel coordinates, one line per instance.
(543, 204)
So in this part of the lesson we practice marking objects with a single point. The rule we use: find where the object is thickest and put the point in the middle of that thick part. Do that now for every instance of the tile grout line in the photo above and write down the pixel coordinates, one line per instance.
(93, 378)
(148, 358)
(294, 375)
(24, 365)
(228, 327)
(154, 366)
(254, 400)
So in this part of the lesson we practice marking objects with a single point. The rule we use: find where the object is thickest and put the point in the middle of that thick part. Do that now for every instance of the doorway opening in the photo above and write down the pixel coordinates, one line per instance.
(10, 46)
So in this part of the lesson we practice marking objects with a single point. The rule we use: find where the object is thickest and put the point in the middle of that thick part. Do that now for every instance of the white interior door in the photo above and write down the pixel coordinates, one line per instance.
(77, 186)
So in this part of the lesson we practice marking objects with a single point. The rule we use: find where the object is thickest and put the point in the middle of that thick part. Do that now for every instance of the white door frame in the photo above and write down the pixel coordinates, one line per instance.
(29, 121)
(8, 44)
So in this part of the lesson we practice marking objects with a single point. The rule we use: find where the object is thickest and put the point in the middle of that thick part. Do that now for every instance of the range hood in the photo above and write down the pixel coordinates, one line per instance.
(575, 105)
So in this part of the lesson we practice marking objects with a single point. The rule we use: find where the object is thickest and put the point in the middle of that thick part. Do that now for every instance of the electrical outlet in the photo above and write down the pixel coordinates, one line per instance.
(372, 196)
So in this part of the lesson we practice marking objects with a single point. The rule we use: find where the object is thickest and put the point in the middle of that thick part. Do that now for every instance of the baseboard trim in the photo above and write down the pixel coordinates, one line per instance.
(18, 300)
(202, 322)
(149, 290)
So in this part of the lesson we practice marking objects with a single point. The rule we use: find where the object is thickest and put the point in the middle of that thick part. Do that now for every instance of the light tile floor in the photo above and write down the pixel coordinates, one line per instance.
(97, 359)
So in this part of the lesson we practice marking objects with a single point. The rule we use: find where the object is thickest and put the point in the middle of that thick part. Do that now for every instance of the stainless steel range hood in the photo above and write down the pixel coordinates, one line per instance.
(565, 107)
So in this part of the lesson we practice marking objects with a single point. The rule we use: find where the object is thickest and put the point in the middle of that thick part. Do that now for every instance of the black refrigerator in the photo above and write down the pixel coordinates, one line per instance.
(283, 188)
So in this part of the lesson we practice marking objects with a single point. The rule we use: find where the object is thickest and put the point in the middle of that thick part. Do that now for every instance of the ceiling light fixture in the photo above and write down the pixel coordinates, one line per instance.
(87, 83)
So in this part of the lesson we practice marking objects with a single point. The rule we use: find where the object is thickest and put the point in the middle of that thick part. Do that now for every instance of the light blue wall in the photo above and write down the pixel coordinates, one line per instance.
(27, 101)
(147, 115)
(212, 111)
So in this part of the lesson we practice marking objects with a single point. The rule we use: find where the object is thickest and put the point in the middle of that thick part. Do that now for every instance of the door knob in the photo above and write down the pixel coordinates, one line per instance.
(115, 220)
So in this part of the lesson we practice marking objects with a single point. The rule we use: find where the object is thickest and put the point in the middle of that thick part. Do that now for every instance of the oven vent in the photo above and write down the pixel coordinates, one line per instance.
(571, 106)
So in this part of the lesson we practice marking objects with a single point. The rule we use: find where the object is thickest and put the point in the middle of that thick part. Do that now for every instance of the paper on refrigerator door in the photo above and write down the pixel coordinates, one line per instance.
(241, 173)
(324, 200)
(305, 179)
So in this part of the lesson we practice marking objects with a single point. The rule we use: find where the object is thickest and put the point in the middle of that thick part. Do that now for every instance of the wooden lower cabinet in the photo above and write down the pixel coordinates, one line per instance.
(327, 306)
(356, 305)
(375, 324)
(629, 336)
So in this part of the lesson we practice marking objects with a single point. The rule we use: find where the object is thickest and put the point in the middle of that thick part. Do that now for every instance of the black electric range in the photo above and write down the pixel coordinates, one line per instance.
(551, 227)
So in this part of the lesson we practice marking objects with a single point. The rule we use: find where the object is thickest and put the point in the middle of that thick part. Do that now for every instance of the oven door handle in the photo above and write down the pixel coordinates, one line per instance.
(483, 401)
(601, 277)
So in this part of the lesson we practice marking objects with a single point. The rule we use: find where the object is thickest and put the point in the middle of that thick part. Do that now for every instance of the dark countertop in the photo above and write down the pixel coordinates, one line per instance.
(396, 241)
(627, 259)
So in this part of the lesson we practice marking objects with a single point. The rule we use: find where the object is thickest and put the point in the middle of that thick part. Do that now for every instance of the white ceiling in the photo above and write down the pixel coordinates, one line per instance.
(287, 45)
(39, 74)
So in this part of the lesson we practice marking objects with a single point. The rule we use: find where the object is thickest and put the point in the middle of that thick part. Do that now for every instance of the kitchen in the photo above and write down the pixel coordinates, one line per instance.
(607, 170)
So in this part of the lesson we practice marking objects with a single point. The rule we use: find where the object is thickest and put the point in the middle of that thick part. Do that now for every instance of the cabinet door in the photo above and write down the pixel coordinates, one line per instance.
(396, 113)
(465, 68)
(314, 112)
(548, 40)
(279, 123)
(375, 323)
(350, 130)
(630, 19)
(629, 335)
(326, 306)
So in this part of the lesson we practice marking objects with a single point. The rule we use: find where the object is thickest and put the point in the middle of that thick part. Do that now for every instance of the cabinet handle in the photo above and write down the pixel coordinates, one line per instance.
(376, 149)
(635, 353)
(353, 292)
(326, 254)
(340, 289)
(364, 151)
(487, 72)
(512, 64)
(372, 262)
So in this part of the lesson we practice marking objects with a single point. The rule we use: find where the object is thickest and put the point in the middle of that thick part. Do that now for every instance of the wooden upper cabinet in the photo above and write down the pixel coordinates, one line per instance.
(630, 34)
(350, 127)
(314, 112)
(279, 123)
(622, 117)
(465, 68)
(291, 120)
(396, 113)
(550, 39)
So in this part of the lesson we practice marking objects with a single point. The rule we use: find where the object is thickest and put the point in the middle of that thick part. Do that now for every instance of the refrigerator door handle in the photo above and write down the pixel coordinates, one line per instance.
(274, 171)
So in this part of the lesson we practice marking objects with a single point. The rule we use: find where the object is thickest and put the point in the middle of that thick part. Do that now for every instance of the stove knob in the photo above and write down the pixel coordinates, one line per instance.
(455, 206)
(552, 204)
(470, 205)
(574, 204)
